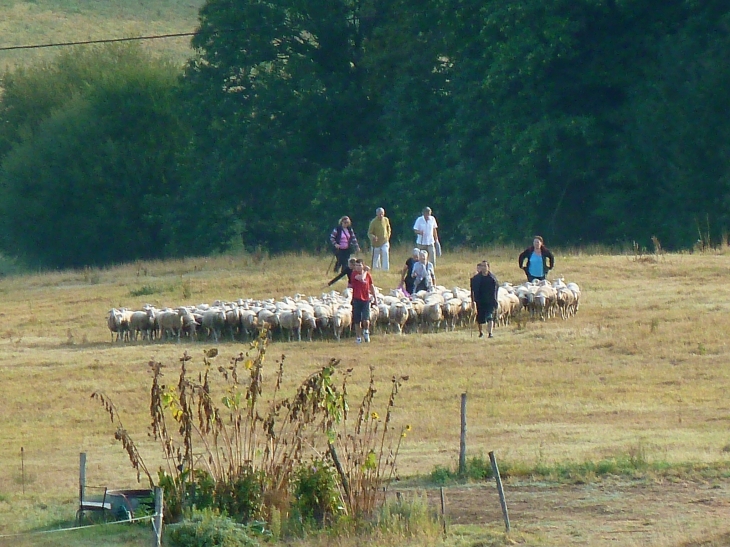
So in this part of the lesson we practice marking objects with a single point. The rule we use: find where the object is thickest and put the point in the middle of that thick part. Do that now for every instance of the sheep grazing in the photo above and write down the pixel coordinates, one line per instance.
(309, 324)
(214, 321)
(249, 323)
(398, 316)
(566, 300)
(331, 313)
(342, 321)
(383, 318)
(189, 323)
(450, 309)
(432, 316)
(171, 323)
(575, 289)
(142, 322)
(269, 319)
(233, 321)
(115, 320)
(290, 322)
(323, 315)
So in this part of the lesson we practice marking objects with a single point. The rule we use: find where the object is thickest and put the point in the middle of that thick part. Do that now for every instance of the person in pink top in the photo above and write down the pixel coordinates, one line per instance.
(344, 242)
(362, 290)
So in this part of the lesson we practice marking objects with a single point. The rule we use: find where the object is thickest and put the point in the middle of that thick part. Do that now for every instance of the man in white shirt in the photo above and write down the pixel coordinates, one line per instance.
(426, 230)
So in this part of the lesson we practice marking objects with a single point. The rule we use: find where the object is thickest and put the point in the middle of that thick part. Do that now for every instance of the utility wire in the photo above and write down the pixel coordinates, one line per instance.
(104, 41)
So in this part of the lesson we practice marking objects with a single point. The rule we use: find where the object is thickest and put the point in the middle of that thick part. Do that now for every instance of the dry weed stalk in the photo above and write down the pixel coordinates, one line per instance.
(369, 450)
(237, 439)
(122, 436)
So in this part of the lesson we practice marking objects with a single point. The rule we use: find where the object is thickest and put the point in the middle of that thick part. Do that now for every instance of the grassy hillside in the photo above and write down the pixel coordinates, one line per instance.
(51, 21)
(640, 373)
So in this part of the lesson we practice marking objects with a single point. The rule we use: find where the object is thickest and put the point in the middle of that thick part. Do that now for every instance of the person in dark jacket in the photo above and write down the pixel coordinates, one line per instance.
(406, 274)
(484, 287)
(536, 260)
(344, 242)
(348, 271)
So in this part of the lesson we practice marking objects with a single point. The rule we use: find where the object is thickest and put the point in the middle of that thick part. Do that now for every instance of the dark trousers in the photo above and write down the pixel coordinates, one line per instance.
(343, 255)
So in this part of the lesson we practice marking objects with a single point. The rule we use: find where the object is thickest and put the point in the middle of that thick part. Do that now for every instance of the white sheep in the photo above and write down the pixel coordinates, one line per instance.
(142, 321)
(291, 321)
(309, 323)
(432, 315)
(115, 322)
(398, 316)
(342, 320)
(170, 323)
(214, 321)
(576, 292)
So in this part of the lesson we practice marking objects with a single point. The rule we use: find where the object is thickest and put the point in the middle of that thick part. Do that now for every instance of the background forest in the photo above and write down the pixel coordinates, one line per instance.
(587, 121)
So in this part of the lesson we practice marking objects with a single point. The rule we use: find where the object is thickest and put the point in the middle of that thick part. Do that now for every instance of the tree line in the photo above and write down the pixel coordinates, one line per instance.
(586, 121)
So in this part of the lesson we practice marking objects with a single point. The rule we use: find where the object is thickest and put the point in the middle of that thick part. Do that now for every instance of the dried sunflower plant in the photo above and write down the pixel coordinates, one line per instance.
(239, 452)
(365, 452)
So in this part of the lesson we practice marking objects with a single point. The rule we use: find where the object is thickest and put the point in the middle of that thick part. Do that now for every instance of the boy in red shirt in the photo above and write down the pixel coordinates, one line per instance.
(362, 289)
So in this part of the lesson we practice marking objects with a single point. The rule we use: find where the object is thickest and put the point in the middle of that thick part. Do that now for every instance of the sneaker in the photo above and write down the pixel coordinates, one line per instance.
(366, 336)
(491, 335)
(358, 340)
(481, 335)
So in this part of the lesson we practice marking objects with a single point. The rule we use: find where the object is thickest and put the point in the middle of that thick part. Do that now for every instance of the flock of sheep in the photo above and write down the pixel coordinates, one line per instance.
(330, 315)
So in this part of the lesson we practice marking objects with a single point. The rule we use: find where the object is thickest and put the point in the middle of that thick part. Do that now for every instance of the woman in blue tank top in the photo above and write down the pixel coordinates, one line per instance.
(537, 260)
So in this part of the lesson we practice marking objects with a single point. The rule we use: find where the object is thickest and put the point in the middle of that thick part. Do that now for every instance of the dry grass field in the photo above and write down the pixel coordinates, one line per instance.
(641, 373)
(54, 21)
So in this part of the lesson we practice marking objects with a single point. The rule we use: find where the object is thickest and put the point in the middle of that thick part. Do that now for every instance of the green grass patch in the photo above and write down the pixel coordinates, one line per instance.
(627, 466)
(148, 290)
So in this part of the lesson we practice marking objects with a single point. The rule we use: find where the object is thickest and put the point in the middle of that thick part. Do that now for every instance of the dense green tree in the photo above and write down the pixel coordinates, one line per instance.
(673, 171)
(585, 121)
(278, 87)
(91, 176)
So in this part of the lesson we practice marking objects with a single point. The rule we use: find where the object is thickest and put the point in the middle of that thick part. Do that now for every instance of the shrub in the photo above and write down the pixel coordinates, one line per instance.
(316, 494)
(145, 290)
(208, 529)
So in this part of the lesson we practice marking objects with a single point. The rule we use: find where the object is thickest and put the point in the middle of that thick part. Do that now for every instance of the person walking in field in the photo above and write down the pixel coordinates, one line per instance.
(362, 290)
(344, 242)
(427, 238)
(537, 260)
(379, 234)
(484, 287)
(424, 276)
(406, 275)
(348, 271)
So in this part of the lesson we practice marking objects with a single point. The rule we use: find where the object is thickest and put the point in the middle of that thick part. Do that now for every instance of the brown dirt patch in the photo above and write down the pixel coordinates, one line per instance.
(612, 512)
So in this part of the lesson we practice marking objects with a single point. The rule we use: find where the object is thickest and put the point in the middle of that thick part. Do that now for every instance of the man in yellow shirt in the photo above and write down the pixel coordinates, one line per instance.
(379, 234)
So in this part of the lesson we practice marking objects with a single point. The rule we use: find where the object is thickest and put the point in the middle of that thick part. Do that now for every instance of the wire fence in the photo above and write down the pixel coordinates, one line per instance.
(93, 534)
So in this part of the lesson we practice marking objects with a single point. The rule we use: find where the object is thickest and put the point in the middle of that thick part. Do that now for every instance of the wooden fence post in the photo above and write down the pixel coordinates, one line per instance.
(443, 510)
(462, 441)
(502, 500)
(82, 484)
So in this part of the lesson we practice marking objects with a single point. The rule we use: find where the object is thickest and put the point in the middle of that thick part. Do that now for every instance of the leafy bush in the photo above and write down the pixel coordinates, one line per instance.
(208, 529)
(145, 290)
(316, 494)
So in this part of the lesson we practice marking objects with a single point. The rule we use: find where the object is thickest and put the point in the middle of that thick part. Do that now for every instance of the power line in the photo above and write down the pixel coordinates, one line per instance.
(103, 41)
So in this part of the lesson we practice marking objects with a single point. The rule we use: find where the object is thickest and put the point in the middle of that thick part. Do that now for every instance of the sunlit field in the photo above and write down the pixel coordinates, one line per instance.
(641, 371)
(55, 21)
